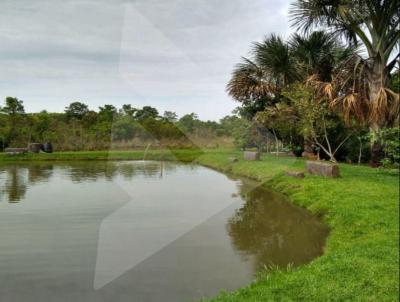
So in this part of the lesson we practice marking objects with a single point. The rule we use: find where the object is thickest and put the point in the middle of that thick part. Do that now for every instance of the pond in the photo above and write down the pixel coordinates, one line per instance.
(141, 231)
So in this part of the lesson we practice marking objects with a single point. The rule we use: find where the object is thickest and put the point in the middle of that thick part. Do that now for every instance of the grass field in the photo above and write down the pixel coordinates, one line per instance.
(361, 259)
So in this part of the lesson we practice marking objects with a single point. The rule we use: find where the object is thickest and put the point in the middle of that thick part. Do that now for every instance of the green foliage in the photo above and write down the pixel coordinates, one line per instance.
(395, 82)
(107, 113)
(127, 109)
(13, 106)
(80, 128)
(147, 112)
(390, 140)
(76, 110)
(303, 115)
(170, 116)
(188, 122)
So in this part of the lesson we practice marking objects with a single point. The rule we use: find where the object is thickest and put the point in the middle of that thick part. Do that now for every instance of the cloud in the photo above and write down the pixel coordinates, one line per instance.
(175, 55)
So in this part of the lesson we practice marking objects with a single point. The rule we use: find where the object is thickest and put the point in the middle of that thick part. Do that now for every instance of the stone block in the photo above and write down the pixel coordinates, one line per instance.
(251, 155)
(322, 168)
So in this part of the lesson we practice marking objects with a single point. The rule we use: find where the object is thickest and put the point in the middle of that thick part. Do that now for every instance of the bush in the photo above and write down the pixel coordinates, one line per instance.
(391, 146)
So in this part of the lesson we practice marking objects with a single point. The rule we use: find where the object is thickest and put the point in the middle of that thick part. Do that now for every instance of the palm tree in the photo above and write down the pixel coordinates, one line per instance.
(275, 64)
(260, 79)
(319, 53)
(375, 24)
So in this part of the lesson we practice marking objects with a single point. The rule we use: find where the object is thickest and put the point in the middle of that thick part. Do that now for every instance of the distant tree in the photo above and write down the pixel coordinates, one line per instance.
(170, 116)
(40, 124)
(90, 118)
(147, 112)
(76, 110)
(127, 109)
(3, 131)
(13, 106)
(239, 129)
(107, 112)
(14, 109)
(188, 122)
(123, 128)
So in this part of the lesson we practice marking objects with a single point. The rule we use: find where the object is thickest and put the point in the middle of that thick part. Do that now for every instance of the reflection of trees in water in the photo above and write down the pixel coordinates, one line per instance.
(17, 178)
(275, 232)
(39, 173)
(147, 169)
(92, 171)
(14, 184)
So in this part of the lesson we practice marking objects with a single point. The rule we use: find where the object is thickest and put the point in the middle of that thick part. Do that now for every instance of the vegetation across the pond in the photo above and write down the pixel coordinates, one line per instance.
(80, 128)
(316, 91)
(360, 262)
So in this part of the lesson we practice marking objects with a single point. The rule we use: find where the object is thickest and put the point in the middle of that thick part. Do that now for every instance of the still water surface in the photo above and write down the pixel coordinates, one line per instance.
(141, 231)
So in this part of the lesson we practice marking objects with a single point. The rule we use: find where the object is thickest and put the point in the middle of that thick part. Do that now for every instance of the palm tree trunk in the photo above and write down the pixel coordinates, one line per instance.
(378, 77)
(376, 146)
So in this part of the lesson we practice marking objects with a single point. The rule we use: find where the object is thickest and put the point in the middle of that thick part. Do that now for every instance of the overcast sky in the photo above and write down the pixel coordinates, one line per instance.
(174, 55)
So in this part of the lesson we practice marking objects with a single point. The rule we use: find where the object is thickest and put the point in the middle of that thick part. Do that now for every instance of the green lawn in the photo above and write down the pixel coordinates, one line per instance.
(361, 259)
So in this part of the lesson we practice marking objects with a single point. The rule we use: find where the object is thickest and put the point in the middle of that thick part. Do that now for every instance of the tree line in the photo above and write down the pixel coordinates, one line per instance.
(79, 128)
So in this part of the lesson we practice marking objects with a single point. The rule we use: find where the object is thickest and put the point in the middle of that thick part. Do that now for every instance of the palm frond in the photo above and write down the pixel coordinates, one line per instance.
(385, 107)
(350, 105)
(249, 82)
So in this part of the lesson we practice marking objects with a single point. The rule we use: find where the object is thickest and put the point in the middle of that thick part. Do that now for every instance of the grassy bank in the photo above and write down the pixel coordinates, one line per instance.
(180, 155)
(362, 208)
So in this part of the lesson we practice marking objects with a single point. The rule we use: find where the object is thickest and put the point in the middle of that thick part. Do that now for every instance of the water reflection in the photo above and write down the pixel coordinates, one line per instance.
(275, 232)
(141, 231)
(39, 173)
(89, 171)
(13, 185)
(16, 179)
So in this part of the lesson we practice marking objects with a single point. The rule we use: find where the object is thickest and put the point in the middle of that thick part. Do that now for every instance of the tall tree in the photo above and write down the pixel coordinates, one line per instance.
(318, 53)
(170, 116)
(13, 106)
(107, 112)
(127, 109)
(375, 24)
(257, 82)
(275, 64)
(76, 110)
(147, 112)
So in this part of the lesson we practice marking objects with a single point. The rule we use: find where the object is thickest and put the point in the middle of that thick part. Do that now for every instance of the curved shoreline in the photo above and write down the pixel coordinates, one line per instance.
(361, 208)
